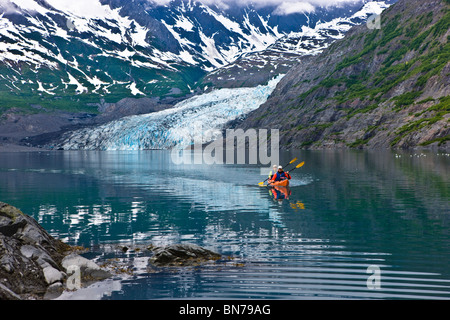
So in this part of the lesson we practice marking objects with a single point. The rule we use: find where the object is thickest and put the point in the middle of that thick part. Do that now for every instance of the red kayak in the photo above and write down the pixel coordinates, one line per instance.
(282, 183)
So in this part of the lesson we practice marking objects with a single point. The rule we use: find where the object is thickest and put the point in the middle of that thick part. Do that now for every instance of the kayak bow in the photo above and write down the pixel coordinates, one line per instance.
(282, 183)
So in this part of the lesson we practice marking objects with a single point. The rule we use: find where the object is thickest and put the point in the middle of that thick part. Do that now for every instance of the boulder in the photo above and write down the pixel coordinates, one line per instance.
(182, 255)
(30, 259)
(89, 270)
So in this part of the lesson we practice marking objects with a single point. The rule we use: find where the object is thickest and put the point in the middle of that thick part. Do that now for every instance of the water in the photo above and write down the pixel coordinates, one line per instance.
(348, 210)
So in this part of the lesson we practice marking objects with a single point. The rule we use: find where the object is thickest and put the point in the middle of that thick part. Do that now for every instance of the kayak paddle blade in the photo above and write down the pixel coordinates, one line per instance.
(300, 165)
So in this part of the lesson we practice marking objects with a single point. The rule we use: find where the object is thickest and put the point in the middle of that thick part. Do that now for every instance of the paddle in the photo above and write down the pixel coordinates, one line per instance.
(296, 167)
(292, 161)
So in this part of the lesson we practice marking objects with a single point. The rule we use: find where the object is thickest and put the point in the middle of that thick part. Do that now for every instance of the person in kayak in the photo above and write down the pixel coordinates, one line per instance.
(274, 171)
(280, 175)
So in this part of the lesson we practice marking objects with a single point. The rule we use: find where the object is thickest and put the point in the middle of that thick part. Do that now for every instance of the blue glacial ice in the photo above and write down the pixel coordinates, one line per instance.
(200, 117)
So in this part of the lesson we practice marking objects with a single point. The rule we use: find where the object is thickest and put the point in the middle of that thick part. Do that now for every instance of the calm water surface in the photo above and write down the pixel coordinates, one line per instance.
(347, 210)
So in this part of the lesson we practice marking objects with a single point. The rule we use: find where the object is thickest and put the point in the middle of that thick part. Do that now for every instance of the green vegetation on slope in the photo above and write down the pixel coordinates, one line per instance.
(22, 86)
(410, 53)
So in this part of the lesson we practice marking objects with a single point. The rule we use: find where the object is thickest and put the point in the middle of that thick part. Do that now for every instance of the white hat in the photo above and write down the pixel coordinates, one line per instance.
(280, 167)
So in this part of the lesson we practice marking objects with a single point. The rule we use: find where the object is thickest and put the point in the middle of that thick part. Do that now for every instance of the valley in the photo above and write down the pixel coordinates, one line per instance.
(346, 85)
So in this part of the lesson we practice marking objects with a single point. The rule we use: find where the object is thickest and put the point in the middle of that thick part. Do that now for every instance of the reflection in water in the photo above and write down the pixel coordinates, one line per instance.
(298, 205)
(281, 193)
(343, 211)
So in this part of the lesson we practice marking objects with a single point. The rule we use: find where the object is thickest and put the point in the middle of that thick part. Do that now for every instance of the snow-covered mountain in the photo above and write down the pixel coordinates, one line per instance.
(205, 115)
(80, 51)
(313, 37)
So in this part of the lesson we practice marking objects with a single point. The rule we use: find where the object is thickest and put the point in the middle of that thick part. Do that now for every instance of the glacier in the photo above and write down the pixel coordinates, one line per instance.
(199, 117)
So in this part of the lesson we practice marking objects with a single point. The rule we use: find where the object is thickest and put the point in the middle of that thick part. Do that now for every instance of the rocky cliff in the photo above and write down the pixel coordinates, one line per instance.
(382, 87)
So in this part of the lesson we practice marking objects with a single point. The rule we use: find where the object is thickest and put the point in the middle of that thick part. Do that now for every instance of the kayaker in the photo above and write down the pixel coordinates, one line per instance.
(274, 170)
(281, 175)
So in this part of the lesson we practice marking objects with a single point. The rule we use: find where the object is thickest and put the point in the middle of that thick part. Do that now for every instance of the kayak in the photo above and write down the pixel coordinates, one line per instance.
(282, 183)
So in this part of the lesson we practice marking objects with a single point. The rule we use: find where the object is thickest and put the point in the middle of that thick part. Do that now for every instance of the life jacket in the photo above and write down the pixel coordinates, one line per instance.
(279, 175)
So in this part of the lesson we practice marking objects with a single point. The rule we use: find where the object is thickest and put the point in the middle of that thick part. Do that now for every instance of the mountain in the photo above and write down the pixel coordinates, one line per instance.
(66, 65)
(204, 116)
(78, 56)
(254, 68)
(376, 88)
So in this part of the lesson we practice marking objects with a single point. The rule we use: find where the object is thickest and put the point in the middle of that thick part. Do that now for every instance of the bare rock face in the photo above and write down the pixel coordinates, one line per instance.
(370, 90)
(182, 255)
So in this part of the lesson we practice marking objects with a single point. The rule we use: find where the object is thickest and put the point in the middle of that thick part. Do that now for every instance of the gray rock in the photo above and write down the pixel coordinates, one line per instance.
(89, 270)
(7, 294)
(31, 261)
(54, 291)
(79, 261)
(29, 257)
(52, 275)
(182, 255)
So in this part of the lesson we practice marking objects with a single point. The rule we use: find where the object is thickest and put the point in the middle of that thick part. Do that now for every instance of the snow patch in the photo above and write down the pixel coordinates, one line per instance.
(184, 23)
(134, 90)
(42, 89)
(80, 88)
(30, 5)
(90, 9)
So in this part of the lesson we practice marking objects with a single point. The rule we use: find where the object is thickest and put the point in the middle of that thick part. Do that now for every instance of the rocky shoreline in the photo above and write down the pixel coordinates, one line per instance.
(36, 266)
(33, 264)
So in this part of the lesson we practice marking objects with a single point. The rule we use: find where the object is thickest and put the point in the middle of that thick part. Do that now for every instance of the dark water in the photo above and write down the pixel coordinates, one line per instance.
(347, 210)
